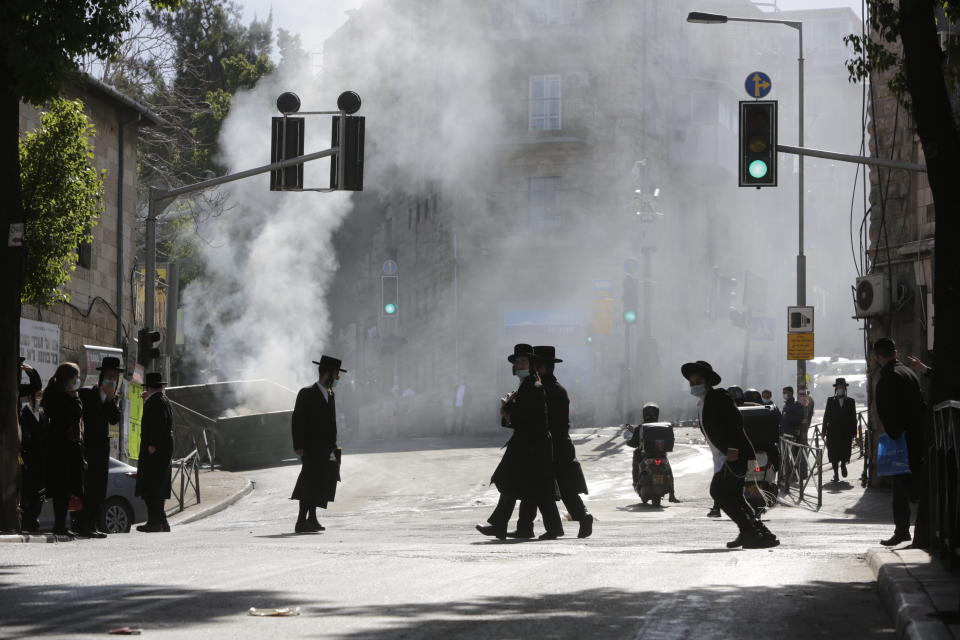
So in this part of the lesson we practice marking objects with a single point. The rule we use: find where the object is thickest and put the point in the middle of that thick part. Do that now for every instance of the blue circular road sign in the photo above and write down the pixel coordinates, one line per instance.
(390, 268)
(757, 84)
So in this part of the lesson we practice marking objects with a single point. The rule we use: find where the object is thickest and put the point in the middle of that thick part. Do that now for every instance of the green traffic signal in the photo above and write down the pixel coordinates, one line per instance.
(758, 169)
(389, 308)
(629, 317)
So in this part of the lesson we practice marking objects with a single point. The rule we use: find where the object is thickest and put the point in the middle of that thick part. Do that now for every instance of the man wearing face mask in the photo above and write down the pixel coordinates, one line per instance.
(156, 451)
(526, 470)
(314, 427)
(100, 410)
(722, 425)
(767, 396)
(791, 416)
(839, 427)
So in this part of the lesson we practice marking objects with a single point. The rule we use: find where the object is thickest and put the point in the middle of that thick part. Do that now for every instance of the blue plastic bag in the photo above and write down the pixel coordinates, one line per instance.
(892, 458)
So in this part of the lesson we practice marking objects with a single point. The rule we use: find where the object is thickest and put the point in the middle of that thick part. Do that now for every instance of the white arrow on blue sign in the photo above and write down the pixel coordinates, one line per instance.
(390, 268)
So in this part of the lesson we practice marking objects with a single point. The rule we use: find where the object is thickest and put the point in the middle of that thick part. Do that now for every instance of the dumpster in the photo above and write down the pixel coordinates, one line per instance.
(246, 423)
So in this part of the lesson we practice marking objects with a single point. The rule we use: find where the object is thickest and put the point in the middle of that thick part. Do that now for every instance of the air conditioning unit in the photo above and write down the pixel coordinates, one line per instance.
(872, 295)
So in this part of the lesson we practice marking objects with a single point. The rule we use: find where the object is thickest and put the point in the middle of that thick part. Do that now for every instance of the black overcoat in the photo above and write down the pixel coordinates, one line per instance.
(839, 428)
(97, 417)
(526, 469)
(156, 429)
(33, 441)
(723, 425)
(901, 407)
(314, 429)
(65, 464)
(566, 467)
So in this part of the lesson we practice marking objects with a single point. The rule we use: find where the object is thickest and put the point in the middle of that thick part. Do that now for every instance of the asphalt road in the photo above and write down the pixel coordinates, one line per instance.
(400, 559)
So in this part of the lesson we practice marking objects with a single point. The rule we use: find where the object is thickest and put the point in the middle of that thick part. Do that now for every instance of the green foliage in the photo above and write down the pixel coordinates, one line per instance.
(42, 39)
(62, 195)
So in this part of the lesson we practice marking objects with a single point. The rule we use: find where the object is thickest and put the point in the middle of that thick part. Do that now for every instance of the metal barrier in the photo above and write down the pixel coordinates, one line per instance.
(943, 469)
(797, 461)
(187, 469)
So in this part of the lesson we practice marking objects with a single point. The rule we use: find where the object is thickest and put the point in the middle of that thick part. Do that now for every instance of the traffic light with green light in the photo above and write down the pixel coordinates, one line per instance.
(631, 299)
(389, 296)
(758, 143)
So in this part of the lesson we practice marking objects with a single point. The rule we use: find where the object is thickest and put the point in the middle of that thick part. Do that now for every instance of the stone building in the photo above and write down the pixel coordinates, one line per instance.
(606, 145)
(101, 310)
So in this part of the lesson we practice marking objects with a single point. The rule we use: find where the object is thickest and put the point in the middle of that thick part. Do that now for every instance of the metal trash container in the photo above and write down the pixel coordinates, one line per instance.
(246, 422)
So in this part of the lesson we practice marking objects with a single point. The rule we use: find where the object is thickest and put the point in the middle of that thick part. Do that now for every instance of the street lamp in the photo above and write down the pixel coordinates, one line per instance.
(697, 17)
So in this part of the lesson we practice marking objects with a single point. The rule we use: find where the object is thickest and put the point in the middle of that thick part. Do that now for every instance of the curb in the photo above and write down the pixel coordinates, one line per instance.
(911, 586)
(218, 507)
(34, 537)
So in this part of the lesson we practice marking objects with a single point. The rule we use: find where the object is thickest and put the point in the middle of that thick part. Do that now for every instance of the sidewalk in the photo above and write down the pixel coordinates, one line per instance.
(218, 490)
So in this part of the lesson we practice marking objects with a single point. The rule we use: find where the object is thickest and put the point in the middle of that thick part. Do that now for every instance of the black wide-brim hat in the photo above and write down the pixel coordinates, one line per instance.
(521, 351)
(546, 353)
(154, 380)
(111, 362)
(704, 369)
(840, 381)
(329, 364)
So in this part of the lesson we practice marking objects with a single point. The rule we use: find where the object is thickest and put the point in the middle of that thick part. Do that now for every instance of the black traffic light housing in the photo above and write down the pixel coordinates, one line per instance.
(631, 299)
(350, 153)
(147, 350)
(758, 143)
(286, 141)
(389, 296)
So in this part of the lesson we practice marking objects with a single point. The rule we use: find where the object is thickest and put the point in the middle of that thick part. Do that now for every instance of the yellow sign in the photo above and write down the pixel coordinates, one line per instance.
(135, 404)
(800, 346)
(603, 322)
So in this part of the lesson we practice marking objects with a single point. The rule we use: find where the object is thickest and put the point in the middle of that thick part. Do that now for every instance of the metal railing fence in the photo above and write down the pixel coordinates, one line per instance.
(187, 471)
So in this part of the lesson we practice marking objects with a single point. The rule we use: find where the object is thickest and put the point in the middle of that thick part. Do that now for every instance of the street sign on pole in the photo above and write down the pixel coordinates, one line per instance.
(800, 319)
(800, 346)
(757, 84)
(390, 268)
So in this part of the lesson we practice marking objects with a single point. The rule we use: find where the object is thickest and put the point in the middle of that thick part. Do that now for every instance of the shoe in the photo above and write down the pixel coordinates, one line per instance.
(525, 534)
(586, 526)
(763, 532)
(673, 499)
(713, 513)
(843, 469)
(551, 535)
(896, 539)
(303, 526)
(165, 527)
(836, 478)
(759, 542)
(150, 528)
(94, 534)
(315, 525)
(490, 530)
(66, 533)
(736, 542)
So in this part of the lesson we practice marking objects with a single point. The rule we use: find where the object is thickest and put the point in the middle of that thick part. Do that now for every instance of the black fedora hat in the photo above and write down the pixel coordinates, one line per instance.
(546, 353)
(704, 369)
(329, 364)
(111, 362)
(840, 381)
(521, 351)
(154, 380)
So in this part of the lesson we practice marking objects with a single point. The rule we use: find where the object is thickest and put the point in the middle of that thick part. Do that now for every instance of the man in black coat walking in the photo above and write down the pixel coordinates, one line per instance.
(100, 409)
(314, 427)
(566, 467)
(722, 425)
(156, 452)
(900, 406)
(526, 470)
(839, 427)
(33, 441)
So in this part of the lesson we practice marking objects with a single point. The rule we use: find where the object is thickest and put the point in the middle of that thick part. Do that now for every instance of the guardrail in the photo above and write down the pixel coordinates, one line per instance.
(797, 462)
(187, 470)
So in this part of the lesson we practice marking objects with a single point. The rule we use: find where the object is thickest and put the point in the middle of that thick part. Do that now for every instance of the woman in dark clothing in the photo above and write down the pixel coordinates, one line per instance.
(33, 440)
(65, 463)
(839, 427)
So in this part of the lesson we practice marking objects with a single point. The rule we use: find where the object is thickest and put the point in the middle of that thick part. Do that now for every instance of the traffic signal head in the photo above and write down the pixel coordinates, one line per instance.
(631, 299)
(286, 141)
(350, 153)
(389, 296)
(758, 143)
(147, 349)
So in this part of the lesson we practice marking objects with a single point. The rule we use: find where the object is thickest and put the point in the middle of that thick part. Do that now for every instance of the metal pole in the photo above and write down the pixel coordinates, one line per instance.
(456, 304)
(169, 344)
(627, 382)
(801, 259)
(847, 157)
(150, 276)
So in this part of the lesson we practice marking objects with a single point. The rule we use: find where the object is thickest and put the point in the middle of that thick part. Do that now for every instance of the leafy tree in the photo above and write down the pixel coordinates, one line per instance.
(63, 195)
(42, 40)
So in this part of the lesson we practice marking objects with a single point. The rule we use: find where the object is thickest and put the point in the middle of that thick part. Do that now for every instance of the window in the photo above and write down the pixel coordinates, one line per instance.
(85, 255)
(545, 96)
(556, 11)
(542, 199)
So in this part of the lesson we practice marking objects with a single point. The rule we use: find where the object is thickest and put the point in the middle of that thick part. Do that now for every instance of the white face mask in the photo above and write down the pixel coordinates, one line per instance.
(76, 384)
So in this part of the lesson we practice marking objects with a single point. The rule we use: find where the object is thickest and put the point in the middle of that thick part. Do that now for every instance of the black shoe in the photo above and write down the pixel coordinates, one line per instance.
(65, 533)
(150, 528)
(843, 469)
(303, 526)
(673, 499)
(586, 526)
(525, 534)
(736, 542)
(896, 539)
(759, 542)
(490, 530)
(315, 525)
(165, 527)
(551, 535)
(713, 513)
(94, 534)
(836, 478)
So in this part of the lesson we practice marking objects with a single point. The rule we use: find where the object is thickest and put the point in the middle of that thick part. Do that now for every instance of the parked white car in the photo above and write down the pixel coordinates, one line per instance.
(855, 373)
